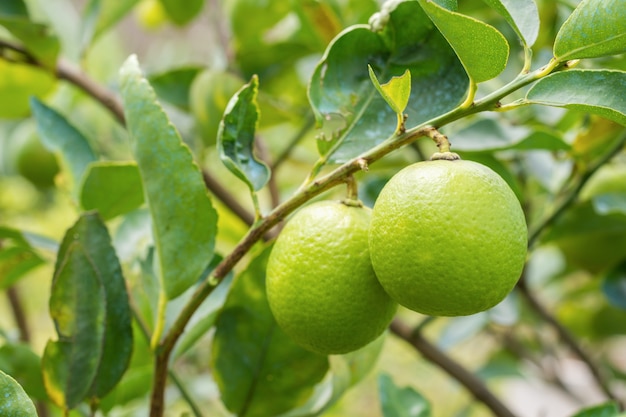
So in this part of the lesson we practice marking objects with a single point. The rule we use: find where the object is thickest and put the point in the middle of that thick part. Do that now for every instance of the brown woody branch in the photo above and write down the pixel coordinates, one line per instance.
(477, 387)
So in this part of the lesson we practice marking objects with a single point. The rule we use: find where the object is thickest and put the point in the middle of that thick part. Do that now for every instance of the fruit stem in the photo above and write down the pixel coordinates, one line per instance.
(352, 192)
(443, 144)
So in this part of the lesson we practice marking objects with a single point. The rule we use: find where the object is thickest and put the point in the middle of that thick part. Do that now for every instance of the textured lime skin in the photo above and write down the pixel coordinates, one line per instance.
(321, 285)
(448, 238)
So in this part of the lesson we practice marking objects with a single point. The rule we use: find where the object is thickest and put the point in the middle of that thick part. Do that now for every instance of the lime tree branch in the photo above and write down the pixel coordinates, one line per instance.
(259, 228)
(477, 387)
(314, 186)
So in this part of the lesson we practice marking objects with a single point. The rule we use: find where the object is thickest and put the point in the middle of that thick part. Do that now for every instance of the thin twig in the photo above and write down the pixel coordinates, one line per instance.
(227, 198)
(68, 72)
(272, 185)
(145, 331)
(550, 374)
(282, 156)
(17, 309)
(567, 338)
(185, 393)
(477, 387)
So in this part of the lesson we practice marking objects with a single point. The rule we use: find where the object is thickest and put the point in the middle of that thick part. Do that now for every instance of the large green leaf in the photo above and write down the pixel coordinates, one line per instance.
(401, 402)
(595, 28)
(90, 309)
(181, 12)
(491, 134)
(354, 115)
(112, 188)
(522, 15)
(18, 83)
(601, 92)
(58, 135)
(481, 48)
(235, 137)
(184, 220)
(15, 402)
(259, 370)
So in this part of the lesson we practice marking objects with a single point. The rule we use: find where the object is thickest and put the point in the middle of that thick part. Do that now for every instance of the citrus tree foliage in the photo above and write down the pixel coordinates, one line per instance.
(150, 151)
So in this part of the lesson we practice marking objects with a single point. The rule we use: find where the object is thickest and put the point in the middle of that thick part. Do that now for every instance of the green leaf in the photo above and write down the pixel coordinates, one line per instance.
(100, 15)
(601, 92)
(401, 402)
(28, 240)
(112, 188)
(235, 137)
(609, 203)
(345, 371)
(595, 28)
(481, 48)
(59, 136)
(18, 82)
(396, 91)
(173, 86)
(210, 93)
(15, 402)
(589, 240)
(522, 15)
(491, 134)
(182, 12)
(609, 409)
(354, 116)
(614, 286)
(19, 361)
(17, 257)
(16, 262)
(15, 8)
(35, 37)
(258, 369)
(184, 220)
(90, 309)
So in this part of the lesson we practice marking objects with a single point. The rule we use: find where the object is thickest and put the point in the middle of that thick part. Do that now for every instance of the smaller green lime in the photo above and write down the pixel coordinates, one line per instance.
(321, 286)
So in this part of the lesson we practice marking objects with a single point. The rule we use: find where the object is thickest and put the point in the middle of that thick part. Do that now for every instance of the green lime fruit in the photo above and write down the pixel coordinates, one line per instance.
(151, 14)
(32, 160)
(447, 238)
(321, 286)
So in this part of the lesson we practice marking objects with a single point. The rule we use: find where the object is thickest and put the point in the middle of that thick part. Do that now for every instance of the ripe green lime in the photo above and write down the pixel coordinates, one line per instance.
(321, 286)
(447, 238)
